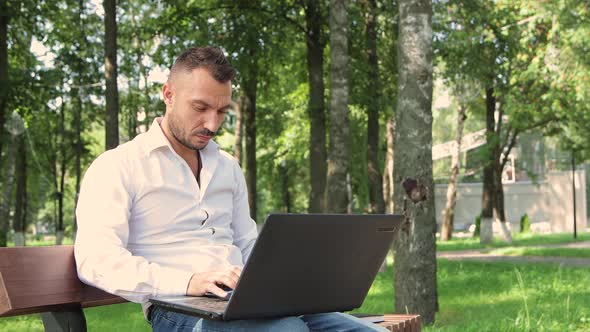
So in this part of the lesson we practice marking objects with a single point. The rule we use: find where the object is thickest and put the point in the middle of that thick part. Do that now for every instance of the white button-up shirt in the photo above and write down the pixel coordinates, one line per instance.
(145, 225)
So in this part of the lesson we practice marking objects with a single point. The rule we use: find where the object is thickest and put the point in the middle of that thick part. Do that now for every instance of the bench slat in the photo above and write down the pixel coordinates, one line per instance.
(41, 279)
(402, 323)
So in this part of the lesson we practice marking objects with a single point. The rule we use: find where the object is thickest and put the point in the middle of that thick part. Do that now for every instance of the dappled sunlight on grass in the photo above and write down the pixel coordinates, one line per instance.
(546, 252)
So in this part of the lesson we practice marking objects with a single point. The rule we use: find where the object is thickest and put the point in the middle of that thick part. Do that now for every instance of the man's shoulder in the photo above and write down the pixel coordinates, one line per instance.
(122, 155)
(228, 156)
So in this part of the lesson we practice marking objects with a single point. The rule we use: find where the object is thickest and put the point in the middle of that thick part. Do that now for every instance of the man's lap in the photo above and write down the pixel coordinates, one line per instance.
(164, 320)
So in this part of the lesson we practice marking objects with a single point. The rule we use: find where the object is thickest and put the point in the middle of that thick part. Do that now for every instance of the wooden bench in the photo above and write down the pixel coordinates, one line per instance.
(44, 280)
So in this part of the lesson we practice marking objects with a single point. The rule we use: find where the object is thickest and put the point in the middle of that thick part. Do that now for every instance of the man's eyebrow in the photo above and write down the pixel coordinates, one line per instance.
(204, 103)
(199, 101)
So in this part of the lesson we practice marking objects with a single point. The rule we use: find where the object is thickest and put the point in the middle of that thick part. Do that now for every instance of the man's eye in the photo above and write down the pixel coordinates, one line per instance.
(200, 109)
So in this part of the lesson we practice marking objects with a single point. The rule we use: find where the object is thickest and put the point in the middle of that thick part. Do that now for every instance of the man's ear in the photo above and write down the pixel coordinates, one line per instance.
(167, 93)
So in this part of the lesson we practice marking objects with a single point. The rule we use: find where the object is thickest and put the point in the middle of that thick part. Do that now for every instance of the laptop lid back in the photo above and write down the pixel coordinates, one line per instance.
(312, 263)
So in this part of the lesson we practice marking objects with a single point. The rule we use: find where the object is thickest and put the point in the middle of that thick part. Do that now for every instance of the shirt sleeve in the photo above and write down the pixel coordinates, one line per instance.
(243, 225)
(102, 259)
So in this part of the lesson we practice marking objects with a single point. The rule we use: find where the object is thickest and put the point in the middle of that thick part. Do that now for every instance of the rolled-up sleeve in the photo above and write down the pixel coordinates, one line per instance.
(243, 225)
(102, 259)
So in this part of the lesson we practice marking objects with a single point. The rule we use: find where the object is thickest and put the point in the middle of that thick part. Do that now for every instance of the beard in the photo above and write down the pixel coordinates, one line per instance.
(182, 137)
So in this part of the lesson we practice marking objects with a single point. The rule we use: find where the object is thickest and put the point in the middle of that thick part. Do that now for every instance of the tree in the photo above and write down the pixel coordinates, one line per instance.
(4, 83)
(337, 200)
(449, 210)
(20, 212)
(415, 260)
(15, 128)
(485, 42)
(376, 201)
(110, 61)
(315, 41)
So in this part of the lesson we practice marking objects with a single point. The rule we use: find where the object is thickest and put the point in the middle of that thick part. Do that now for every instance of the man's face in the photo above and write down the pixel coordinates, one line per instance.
(196, 105)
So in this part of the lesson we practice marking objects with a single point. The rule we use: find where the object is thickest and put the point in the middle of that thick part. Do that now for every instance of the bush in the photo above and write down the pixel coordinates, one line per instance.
(477, 226)
(525, 224)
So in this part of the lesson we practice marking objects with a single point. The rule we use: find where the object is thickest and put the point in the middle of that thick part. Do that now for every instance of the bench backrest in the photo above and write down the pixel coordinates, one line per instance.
(42, 279)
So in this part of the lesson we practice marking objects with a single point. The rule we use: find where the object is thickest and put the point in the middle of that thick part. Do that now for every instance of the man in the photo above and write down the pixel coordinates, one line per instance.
(167, 213)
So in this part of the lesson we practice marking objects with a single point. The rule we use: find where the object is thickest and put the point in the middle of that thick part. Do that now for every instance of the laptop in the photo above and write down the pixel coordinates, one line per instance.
(301, 264)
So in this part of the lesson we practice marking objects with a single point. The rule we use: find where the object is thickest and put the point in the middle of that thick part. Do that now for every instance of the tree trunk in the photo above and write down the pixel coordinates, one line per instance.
(316, 107)
(4, 85)
(376, 202)
(487, 199)
(77, 97)
(337, 198)
(284, 174)
(63, 163)
(388, 179)
(499, 211)
(136, 93)
(15, 128)
(249, 108)
(20, 209)
(78, 162)
(238, 129)
(415, 260)
(449, 211)
(112, 93)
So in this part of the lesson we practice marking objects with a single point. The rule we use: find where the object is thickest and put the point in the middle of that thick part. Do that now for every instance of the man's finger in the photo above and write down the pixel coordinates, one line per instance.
(228, 281)
(216, 290)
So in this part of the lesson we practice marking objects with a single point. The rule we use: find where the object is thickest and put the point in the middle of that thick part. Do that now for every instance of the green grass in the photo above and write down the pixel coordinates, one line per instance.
(546, 252)
(489, 297)
(472, 297)
(527, 239)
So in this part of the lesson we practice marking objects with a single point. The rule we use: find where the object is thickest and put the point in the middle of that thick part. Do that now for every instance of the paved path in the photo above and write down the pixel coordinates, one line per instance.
(483, 255)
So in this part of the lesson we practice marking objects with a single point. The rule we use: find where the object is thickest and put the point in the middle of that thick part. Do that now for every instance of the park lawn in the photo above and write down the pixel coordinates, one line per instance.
(519, 239)
(472, 297)
(546, 252)
(489, 297)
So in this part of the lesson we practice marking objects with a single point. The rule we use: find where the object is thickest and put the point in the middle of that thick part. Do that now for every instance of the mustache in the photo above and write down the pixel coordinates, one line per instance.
(206, 132)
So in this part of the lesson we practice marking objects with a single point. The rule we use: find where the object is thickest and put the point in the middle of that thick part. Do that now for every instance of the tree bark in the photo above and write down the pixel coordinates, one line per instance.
(316, 107)
(415, 260)
(20, 209)
(77, 97)
(449, 211)
(337, 198)
(16, 129)
(284, 173)
(4, 85)
(388, 179)
(249, 108)
(376, 202)
(59, 228)
(112, 93)
(238, 129)
(487, 199)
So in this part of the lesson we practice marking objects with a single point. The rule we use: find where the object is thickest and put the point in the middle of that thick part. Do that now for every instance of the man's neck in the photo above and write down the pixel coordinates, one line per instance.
(191, 157)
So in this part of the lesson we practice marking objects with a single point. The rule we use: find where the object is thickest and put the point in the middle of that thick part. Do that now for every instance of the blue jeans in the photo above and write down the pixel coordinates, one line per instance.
(163, 320)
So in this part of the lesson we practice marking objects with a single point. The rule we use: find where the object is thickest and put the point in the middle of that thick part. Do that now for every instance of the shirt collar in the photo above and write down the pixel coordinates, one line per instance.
(156, 139)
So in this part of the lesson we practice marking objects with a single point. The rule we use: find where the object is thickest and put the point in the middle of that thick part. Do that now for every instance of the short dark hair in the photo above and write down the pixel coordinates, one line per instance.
(208, 57)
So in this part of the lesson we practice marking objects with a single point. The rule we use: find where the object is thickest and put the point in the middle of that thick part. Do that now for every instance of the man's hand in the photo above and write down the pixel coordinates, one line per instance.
(204, 282)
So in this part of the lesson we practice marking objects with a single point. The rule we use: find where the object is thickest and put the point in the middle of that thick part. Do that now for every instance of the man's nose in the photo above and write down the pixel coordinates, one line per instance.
(211, 121)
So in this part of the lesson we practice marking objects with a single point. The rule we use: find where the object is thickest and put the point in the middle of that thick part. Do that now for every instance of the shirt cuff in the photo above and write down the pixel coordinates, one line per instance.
(172, 282)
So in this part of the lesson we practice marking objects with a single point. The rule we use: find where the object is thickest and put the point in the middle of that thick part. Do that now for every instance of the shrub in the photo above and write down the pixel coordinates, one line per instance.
(477, 226)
